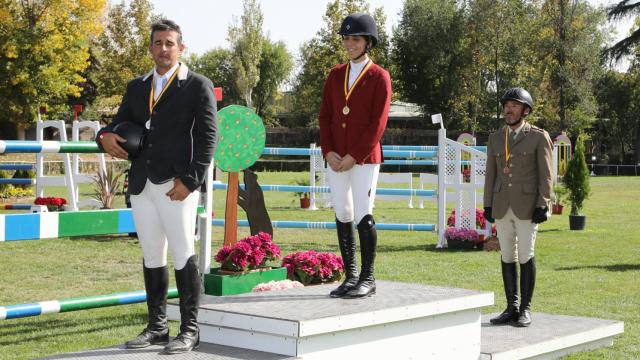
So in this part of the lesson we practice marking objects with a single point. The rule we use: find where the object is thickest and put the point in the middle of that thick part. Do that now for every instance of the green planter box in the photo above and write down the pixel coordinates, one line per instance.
(219, 285)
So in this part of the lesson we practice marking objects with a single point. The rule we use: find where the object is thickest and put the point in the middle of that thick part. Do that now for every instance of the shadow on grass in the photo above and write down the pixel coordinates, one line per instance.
(614, 267)
(40, 329)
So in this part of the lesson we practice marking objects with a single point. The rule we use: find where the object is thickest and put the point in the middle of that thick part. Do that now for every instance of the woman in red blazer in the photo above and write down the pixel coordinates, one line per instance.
(353, 116)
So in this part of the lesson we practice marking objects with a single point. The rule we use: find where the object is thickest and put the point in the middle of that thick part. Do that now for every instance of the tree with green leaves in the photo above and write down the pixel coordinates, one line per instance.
(122, 52)
(324, 51)
(246, 41)
(275, 66)
(565, 42)
(629, 44)
(217, 65)
(430, 55)
(499, 45)
(44, 50)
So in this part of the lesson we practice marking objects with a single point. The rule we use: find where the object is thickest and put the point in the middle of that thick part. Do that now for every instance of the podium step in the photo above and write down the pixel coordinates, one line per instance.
(549, 337)
(402, 321)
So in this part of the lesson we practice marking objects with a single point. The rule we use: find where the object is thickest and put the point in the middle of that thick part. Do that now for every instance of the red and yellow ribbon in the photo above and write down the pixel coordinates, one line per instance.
(347, 91)
(152, 102)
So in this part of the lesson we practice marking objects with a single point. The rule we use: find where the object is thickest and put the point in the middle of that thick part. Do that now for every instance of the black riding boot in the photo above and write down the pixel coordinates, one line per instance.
(527, 284)
(348, 252)
(510, 280)
(156, 283)
(188, 283)
(368, 240)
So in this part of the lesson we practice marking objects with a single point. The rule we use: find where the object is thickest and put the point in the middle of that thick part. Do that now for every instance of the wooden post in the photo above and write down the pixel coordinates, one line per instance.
(231, 211)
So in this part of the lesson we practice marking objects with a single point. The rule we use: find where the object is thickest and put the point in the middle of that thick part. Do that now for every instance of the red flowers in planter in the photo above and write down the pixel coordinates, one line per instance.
(52, 203)
(249, 253)
(311, 267)
(480, 220)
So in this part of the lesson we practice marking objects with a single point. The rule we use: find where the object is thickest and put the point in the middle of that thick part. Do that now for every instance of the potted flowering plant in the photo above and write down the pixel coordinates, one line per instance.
(243, 266)
(481, 222)
(52, 203)
(248, 254)
(460, 238)
(311, 267)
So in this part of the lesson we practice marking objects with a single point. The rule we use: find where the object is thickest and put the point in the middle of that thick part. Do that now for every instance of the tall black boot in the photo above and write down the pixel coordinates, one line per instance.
(510, 281)
(527, 284)
(368, 241)
(188, 283)
(156, 283)
(348, 252)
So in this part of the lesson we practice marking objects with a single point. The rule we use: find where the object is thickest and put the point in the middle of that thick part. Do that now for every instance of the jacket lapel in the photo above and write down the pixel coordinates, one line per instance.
(183, 71)
(523, 133)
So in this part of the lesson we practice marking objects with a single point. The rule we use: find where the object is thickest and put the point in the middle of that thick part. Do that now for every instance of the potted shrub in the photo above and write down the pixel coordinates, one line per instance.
(558, 199)
(305, 202)
(576, 180)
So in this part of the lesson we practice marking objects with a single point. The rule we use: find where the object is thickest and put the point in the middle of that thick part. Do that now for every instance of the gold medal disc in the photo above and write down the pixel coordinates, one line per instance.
(505, 170)
(345, 110)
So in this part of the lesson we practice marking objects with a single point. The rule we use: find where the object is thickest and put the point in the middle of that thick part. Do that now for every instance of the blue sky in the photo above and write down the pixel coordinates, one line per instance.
(205, 22)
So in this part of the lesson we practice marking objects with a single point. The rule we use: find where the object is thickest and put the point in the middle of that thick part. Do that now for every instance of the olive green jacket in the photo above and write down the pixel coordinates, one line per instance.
(527, 183)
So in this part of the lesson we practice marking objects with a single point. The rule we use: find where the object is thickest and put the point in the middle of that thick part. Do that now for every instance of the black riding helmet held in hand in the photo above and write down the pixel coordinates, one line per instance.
(134, 134)
(520, 95)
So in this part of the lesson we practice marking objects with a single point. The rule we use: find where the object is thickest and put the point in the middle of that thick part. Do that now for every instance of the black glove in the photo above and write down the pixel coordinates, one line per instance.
(488, 215)
(539, 215)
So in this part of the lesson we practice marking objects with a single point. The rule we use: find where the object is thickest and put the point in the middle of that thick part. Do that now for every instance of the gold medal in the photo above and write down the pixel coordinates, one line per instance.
(505, 170)
(345, 110)
(348, 91)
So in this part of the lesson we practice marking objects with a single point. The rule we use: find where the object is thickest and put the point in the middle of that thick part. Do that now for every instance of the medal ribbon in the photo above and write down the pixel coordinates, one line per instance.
(506, 146)
(348, 92)
(153, 103)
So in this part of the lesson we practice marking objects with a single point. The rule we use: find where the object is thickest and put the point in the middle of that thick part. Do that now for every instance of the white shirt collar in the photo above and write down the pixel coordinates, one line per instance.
(167, 74)
(359, 66)
(517, 130)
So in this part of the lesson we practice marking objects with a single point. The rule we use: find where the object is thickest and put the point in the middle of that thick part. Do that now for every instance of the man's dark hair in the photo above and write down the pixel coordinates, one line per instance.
(166, 25)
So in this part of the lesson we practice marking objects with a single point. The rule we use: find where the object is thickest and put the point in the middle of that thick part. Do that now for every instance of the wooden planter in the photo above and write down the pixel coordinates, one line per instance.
(220, 284)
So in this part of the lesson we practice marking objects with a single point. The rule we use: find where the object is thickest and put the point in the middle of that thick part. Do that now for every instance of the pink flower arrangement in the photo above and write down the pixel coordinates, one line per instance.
(277, 285)
(480, 220)
(453, 233)
(311, 267)
(52, 203)
(249, 253)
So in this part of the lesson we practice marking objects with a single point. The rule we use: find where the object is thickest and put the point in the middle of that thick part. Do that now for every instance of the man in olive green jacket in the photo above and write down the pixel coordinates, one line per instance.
(517, 190)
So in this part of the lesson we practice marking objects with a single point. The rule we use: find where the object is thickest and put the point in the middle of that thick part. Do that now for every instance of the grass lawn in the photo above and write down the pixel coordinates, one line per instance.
(590, 273)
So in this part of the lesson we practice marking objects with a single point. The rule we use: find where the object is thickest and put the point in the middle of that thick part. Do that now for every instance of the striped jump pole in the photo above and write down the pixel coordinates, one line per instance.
(52, 147)
(325, 189)
(17, 167)
(18, 181)
(76, 304)
(15, 206)
(332, 225)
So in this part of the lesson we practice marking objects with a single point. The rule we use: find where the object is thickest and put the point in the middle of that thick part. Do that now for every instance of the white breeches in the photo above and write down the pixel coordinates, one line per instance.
(517, 238)
(353, 191)
(159, 221)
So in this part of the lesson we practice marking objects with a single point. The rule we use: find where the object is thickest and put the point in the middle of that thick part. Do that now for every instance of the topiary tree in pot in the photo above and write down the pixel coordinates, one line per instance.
(576, 180)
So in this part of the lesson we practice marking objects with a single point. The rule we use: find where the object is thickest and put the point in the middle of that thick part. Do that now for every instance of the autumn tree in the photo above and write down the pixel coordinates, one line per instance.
(44, 50)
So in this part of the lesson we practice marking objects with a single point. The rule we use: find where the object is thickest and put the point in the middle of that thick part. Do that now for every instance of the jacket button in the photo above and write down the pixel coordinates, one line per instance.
(344, 125)
(510, 175)
(149, 162)
(150, 145)
(509, 183)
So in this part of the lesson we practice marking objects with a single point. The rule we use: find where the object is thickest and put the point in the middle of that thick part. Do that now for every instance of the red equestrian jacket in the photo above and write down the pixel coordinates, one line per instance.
(359, 132)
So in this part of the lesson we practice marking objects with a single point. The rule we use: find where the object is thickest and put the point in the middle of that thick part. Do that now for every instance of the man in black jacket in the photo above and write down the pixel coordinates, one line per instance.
(177, 109)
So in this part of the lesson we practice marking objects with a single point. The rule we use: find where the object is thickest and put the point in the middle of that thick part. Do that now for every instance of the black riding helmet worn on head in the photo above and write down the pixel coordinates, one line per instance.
(363, 25)
(134, 134)
(520, 95)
